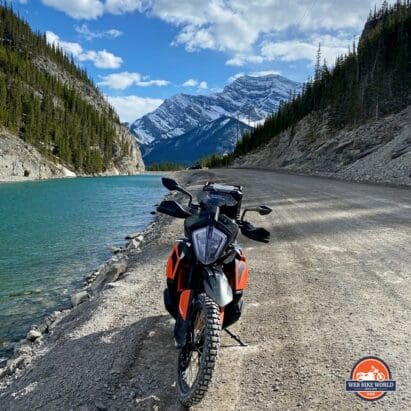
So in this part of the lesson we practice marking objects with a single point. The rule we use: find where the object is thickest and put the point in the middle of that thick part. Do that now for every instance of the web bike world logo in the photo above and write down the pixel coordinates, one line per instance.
(370, 379)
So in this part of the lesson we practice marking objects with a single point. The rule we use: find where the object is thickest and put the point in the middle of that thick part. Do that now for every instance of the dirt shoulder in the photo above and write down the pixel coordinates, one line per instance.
(332, 287)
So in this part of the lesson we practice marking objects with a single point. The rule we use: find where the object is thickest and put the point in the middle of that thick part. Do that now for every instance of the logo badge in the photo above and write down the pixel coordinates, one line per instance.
(370, 379)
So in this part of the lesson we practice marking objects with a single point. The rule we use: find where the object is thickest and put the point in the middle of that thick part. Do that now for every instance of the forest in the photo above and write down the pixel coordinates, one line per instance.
(43, 111)
(372, 80)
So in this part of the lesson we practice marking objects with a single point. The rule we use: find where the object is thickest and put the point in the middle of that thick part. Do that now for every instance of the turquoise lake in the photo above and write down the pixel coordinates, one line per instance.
(53, 232)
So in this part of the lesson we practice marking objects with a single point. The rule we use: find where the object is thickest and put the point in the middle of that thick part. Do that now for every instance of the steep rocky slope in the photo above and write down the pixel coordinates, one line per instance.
(377, 151)
(22, 161)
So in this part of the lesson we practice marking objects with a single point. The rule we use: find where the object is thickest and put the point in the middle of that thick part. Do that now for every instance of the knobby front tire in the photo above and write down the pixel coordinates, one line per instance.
(191, 394)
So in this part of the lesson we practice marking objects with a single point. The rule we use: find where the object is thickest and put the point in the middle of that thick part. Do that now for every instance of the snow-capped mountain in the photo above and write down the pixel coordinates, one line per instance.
(217, 136)
(248, 98)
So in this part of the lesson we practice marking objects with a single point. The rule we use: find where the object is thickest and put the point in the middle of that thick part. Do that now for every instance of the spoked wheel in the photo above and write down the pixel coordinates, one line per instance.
(197, 359)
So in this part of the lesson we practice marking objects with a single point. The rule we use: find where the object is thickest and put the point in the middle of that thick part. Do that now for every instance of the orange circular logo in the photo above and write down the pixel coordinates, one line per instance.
(371, 379)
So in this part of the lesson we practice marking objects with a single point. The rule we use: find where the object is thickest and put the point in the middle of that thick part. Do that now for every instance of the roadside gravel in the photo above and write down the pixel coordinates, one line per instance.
(332, 286)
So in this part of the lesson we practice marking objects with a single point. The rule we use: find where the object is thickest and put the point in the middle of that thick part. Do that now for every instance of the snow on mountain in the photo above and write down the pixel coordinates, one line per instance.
(249, 98)
(217, 136)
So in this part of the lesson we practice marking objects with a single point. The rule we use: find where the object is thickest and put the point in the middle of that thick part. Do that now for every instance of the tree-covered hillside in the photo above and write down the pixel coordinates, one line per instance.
(372, 80)
(42, 110)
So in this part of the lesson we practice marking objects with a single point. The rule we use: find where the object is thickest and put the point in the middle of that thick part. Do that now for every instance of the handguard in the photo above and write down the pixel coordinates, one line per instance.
(255, 233)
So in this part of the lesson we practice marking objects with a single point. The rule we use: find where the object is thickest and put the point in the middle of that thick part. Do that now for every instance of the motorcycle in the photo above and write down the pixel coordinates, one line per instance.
(206, 275)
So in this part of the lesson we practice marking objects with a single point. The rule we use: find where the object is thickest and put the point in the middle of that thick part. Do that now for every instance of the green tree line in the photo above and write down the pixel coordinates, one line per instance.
(43, 111)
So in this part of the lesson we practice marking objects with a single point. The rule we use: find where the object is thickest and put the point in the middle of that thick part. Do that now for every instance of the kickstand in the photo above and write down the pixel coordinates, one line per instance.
(236, 337)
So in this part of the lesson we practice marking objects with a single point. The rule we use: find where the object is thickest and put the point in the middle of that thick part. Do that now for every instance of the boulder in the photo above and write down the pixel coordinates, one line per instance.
(33, 334)
(109, 274)
(79, 298)
(132, 235)
(133, 244)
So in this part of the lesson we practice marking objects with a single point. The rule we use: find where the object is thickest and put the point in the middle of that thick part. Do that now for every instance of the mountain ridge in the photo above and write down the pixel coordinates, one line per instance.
(248, 97)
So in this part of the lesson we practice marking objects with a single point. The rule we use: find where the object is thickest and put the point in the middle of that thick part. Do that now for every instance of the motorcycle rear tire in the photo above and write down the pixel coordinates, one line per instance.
(190, 396)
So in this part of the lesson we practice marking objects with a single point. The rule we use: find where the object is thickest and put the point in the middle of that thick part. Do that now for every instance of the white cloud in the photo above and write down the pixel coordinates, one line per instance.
(101, 59)
(203, 85)
(294, 50)
(130, 108)
(251, 31)
(121, 81)
(190, 83)
(236, 25)
(123, 6)
(88, 34)
(241, 59)
(71, 48)
(264, 73)
(78, 9)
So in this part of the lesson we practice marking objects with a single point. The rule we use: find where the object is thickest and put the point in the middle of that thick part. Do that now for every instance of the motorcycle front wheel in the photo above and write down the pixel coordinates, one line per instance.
(197, 359)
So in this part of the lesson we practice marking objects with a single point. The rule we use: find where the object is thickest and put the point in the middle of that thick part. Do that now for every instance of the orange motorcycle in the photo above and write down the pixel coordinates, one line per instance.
(206, 275)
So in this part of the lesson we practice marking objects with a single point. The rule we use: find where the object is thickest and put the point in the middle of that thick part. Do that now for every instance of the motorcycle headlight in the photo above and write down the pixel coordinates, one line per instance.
(208, 243)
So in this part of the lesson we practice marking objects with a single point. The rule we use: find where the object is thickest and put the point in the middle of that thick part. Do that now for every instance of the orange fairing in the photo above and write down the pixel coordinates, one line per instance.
(184, 303)
(241, 274)
(173, 262)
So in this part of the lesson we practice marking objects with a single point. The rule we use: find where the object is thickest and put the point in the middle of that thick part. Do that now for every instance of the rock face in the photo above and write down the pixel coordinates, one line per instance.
(21, 161)
(123, 163)
(132, 162)
(109, 274)
(378, 151)
(79, 298)
(248, 97)
(218, 136)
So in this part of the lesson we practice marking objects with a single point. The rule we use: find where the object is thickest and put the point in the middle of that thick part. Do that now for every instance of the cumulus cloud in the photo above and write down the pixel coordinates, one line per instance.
(190, 83)
(251, 32)
(121, 81)
(78, 9)
(203, 85)
(293, 50)
(132, 107)
(101, 59)
(123, 6)
(85, 32)
(92, 9)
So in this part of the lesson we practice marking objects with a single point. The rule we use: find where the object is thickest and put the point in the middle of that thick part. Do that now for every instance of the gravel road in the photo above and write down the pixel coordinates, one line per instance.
(332, 287)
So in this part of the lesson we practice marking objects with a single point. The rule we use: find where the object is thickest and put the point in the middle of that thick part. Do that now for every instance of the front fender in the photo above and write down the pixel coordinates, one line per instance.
(216, 286)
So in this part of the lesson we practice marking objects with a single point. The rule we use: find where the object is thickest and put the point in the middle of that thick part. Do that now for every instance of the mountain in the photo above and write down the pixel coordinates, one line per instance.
(50, 104)
(219, 136)
(247, 98)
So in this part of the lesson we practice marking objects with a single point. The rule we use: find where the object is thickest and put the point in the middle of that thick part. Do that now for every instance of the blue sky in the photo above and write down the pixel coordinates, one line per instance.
(140, 52)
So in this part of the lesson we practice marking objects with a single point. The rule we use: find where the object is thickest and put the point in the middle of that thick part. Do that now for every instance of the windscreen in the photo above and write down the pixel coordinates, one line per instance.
(217, 199)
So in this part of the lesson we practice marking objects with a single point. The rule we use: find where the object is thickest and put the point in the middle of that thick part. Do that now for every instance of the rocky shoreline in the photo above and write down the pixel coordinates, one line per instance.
(103, 277)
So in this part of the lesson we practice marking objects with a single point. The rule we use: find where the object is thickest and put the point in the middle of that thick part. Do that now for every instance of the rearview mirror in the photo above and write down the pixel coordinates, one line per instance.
(264, 210)
(169, 183)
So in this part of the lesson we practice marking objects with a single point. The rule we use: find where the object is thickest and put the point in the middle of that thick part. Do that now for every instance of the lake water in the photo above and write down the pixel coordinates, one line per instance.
(52, 232)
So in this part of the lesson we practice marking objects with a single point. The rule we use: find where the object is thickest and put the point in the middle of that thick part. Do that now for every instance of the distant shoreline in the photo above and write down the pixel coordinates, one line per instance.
(21, 179)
